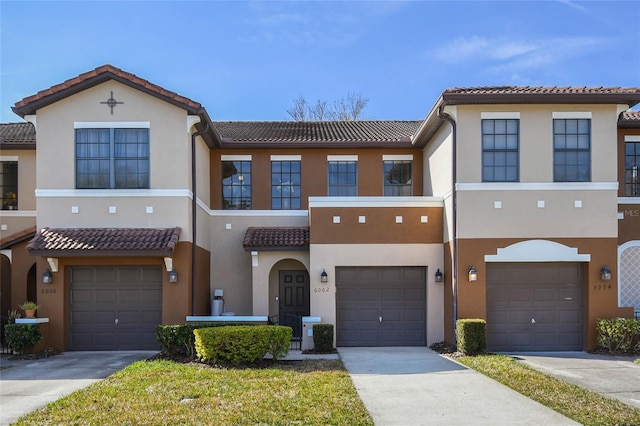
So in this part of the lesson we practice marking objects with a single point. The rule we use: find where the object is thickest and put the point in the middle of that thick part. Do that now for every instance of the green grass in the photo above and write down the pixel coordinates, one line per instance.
(637, 361)
(581, 405)
(164, 392)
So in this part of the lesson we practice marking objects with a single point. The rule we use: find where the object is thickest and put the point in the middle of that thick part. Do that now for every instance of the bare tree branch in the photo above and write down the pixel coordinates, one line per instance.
(349, 108)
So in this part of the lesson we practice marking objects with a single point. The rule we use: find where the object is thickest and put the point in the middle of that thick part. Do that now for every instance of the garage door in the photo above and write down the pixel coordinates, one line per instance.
(115, 308)
(534, 307)
(381, 306)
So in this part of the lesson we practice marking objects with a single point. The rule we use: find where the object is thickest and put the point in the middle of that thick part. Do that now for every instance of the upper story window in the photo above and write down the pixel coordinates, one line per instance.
(397, 175)
(500, 150)
(343, 175)
(632, 167)
(572, 149)
(285, 182)
(9, 184)
(236, 182)
(112, 158)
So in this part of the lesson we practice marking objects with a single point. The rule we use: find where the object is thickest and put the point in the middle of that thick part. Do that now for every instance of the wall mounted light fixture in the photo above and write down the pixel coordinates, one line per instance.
(605, 273)
(439, 276)
(173, 276)
(473, 274)
(47, 277)
(324, 277)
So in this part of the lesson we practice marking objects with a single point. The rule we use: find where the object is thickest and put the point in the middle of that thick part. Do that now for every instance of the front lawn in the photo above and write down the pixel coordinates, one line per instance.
(574, 402)
(164, 392)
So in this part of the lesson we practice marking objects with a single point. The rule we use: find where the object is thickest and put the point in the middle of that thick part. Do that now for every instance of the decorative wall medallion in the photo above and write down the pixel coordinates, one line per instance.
(111, 102)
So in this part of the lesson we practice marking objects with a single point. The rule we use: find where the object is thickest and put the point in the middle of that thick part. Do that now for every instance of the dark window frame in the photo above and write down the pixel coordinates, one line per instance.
(342, 178)
(286, 184)
(9, 184)
(397, 178)
(500, 149)
(112, 158)
(632, 168)
(571, 159)
(236, 185)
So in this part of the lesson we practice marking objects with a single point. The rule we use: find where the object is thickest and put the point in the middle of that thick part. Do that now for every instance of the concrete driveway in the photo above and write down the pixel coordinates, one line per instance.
(27, 385)
(417, 386)
(613, 376)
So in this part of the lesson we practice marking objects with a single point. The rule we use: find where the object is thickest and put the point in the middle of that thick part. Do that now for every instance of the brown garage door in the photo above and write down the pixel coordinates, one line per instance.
(381, 306)
(534, 307)
(115, 307)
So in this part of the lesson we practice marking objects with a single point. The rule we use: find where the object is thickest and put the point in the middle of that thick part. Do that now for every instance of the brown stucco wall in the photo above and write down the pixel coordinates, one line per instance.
(21, 263)
(314, 172)
(629, 225)
(448, 293)
(176, 297)
(600, 301)
(380, 226)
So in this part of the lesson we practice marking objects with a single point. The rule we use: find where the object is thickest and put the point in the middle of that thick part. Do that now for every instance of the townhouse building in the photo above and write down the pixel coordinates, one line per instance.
(134, 208)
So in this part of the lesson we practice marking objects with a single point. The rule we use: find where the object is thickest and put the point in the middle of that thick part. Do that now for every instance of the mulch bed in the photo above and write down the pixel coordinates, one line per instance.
(49, 352)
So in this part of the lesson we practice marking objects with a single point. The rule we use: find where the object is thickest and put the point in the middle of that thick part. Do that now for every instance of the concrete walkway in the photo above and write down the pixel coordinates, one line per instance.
(613, 376)
(417, 386)
(26, 385)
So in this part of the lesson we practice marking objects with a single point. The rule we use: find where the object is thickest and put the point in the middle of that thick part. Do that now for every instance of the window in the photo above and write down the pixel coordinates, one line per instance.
(236, 185)
(112, 158)
(285, 185)
(632, 169)
(572, 150)
(9, 184)
(397, 175)
(500, 150)
(343, 178)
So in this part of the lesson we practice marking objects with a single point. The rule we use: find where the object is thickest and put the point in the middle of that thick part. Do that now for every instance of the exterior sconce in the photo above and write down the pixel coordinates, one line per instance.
(473, 274)
(605, 273)
(173, 276)
(47, 277)
(324, 277)
(439, 276)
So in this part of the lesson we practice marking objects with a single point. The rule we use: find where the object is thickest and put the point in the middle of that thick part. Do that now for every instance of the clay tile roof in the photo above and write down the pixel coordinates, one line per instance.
(94, 77)
(18, 237)
(629, 119)
(104, 241)
(317, 131)
(276, 238)
(17, 136)
(540, 94)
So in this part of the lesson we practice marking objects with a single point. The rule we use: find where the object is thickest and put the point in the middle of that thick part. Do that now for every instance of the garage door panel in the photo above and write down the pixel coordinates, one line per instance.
(364, 294)
(554, 301)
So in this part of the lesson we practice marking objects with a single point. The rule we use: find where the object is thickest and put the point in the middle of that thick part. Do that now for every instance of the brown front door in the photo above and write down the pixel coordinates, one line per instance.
(294, 294)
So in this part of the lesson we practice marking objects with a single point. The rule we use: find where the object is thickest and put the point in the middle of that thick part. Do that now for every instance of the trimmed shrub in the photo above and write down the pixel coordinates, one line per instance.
(471, 335)
(179, 340)
(618, 334)
(242, 344)
(323, 337)
(22, 336)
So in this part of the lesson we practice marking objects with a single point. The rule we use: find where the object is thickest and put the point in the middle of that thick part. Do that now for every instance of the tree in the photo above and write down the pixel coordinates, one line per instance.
(349, 108)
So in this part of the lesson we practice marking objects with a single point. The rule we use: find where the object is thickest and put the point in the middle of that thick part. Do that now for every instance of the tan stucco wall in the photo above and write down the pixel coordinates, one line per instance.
(329, 256)
(26, 176)
(231, 268)
(536, 140)
(521, 217)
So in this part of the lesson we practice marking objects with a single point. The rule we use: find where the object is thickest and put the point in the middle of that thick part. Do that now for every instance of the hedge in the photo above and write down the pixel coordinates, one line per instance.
(179, 340)
(471, 335)
(22, 336)
(618, 334)
(323, 338)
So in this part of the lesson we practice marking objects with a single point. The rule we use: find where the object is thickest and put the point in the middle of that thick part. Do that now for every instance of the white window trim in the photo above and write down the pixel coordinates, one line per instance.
(571, 114)
(227, 157)
(8, 158)
(375, 202)
(628, 200)
(111, 125)
(632, 138)
(499, 115)
(538, 186)
(397, 157)
(286, 157)
(342, 158)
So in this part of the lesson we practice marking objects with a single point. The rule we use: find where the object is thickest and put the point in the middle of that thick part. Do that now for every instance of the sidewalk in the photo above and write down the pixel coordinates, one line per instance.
(416, 386)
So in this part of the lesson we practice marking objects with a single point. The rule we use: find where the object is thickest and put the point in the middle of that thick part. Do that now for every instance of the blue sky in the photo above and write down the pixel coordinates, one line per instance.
(249, 60)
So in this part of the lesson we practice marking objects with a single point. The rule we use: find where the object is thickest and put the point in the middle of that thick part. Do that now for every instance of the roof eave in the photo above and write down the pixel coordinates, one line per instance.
(101, 253)
(17, 146)
(629, 99)
(230, 143)
(275, 248)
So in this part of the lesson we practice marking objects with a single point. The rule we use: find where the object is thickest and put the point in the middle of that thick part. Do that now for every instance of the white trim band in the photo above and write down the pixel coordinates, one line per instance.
(111, 124)
(570, 114)
(537, 251)
(397, 157)
(538, 186)
(375, 202)
(8, 158)
(498, 115)
(260, 213)
(228, 157)
(286, 157)
(632, 138)
(111, 193)
(342, 158)
(628, 200)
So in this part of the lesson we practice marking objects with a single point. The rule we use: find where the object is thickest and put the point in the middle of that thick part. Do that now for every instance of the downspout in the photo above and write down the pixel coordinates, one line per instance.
(194, 215)
(454, 199)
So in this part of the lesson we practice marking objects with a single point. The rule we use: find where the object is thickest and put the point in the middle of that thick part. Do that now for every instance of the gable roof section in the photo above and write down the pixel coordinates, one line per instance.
(31, 104)
(629, 119)
(276, 238)
(59, 242)
(316, 133)
(522, 95)
(17, 136)
(18, 237)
